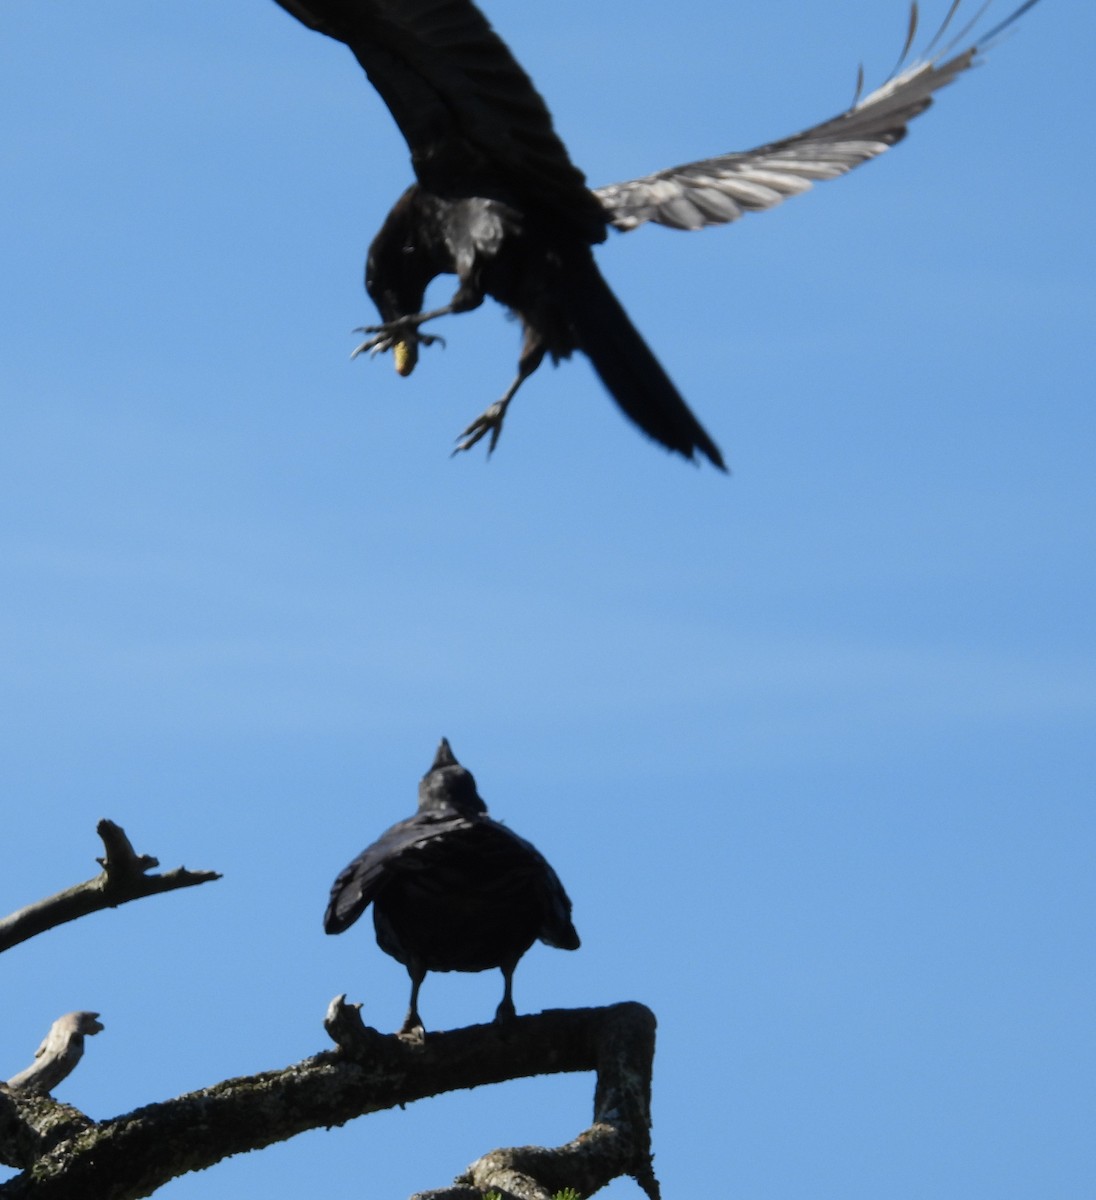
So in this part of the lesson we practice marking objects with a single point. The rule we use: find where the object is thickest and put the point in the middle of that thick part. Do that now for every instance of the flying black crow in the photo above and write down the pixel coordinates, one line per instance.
(499, 204)
(453, 890)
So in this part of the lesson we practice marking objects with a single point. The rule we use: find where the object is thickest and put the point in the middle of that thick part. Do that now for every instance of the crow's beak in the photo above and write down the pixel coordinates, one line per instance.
(405, 355)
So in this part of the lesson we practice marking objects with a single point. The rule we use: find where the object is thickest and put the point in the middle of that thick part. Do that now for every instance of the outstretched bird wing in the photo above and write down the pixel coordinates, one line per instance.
(471, 116)
(718, 190)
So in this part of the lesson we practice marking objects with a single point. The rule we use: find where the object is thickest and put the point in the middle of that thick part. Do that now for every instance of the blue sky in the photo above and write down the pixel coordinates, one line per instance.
(810, 746)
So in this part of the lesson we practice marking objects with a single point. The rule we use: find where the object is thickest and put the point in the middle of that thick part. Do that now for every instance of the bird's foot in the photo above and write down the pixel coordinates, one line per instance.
(488, 422)
(402, 336)
(412, 1030)
(506, 1012)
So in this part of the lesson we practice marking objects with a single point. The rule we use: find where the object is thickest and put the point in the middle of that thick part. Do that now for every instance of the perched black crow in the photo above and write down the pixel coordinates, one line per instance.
(453, 890)
(499, 204)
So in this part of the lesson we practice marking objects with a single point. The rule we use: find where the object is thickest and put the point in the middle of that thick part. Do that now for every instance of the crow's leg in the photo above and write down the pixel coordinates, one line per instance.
(403, 334)
(400, 331)
(490, 420)
(506, 1010)
(412, 1024)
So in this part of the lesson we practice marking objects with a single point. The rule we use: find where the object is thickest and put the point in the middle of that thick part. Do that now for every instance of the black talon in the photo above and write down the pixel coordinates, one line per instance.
(391, 334)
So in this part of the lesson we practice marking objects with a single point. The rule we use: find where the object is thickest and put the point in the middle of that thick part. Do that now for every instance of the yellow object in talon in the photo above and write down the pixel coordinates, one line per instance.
(404, 356)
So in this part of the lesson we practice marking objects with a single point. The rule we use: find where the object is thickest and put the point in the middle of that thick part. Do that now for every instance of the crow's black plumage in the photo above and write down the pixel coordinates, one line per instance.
(499, 203)
(453, 890)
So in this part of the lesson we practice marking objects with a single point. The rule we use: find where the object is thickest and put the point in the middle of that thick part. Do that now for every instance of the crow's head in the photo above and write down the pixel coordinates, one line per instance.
(397, 272)
(449, 785)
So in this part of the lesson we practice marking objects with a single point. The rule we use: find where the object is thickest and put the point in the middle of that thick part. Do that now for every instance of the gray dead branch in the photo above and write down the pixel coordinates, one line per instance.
(125, 877)
(57, 1056)
(63, 1155)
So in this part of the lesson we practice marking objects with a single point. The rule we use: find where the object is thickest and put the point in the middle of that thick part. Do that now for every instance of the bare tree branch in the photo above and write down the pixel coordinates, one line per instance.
(124, 877)
(60, 1051)
(617, 1143)
(131, 1156)
(64, 1155)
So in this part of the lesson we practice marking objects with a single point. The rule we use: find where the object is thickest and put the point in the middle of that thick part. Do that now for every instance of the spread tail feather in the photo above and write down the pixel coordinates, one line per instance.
(624, 362)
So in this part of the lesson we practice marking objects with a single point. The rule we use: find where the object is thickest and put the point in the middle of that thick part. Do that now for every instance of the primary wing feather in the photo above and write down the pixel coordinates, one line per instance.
(473, 120)
(717, 190)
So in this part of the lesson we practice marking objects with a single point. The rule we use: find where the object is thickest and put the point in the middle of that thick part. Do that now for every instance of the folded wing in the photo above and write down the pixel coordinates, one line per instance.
(450, 855)
(407, 845)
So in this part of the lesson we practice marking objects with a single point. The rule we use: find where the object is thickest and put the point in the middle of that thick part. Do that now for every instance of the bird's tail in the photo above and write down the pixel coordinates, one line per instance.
(626, 366)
